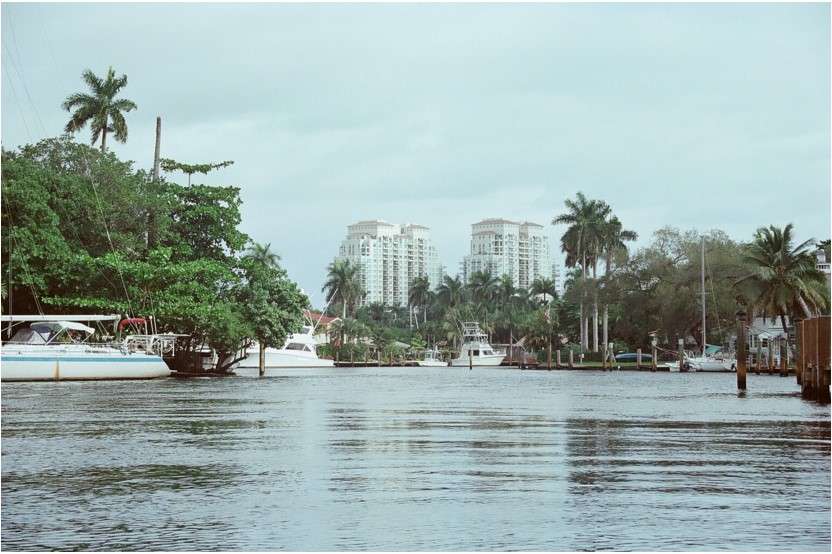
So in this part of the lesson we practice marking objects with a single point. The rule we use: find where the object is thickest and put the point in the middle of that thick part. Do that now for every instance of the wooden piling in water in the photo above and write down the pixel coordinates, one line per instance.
(549, 356)
(770, 360)
(784, 357)
(557, 359)
(638, 358)
(681, 354)
(654, 360)
(379, 357)
(759, 361)
(571, 358)
(470, 360)
(742, 357)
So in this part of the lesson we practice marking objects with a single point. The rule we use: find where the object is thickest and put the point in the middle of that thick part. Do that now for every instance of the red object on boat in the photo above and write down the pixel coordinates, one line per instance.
(131, 321)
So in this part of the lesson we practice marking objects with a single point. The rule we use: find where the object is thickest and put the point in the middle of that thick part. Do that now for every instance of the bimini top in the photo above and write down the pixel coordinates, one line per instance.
(44, 332)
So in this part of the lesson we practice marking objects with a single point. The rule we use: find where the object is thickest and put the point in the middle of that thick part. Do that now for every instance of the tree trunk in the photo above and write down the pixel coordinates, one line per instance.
(104, 137)
(606, 324)
(806, 311)
(595, 305)
(262, 358)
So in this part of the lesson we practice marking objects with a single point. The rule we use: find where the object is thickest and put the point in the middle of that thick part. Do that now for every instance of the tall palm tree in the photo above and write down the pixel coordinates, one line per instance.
(612, 243)
(582, 245)
(100, 107)
(419, 294)
(545, 287)
(451, 292)
(263, 254)
(343, 284)
(482, 285)
(784, 279)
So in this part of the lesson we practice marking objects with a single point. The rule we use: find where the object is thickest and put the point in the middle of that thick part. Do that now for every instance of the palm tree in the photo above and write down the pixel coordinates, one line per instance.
(613, 237)
(482, 285)
(419, 294)
(100, 108)
(343, 284)
(784, 279)
(263, 254)
(582, 245)
(451, 292)
(545, 287)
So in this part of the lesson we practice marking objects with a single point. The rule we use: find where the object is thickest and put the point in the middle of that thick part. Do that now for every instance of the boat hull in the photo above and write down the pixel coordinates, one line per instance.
(479, 361)
(431, 363)
(282, 358)
(45, 367)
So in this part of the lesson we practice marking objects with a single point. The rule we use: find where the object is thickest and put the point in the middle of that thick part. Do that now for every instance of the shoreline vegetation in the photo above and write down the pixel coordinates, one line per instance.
(83, 230)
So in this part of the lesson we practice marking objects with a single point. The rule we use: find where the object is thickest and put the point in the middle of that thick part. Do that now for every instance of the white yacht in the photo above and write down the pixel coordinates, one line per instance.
(298, 351)
(56, 348)
(475, 349)
(432, 358)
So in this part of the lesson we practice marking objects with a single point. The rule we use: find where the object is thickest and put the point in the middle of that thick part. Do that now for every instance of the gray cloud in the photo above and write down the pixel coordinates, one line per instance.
(700, 116)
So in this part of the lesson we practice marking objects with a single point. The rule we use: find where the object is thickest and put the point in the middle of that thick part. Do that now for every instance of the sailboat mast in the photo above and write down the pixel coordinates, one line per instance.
(704, 343)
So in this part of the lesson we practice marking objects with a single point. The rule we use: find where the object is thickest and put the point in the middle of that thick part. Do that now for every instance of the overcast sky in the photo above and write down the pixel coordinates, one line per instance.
(699, 116)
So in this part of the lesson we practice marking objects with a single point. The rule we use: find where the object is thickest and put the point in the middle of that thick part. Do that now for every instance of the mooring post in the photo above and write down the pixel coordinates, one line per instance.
(571, 358)
(681, 354)
(798, 369)
(759, 360)
(742, 357)
(638, 358)
(557, 359)
(549, 355)
(609, 353)
(379, 357)
(654, 352)
(784, 357)
(352, 358)
(770, 355)
(470, 360)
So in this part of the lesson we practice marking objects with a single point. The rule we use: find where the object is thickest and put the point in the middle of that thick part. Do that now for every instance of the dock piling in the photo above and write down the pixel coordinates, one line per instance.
(638, 358)
(742, 357)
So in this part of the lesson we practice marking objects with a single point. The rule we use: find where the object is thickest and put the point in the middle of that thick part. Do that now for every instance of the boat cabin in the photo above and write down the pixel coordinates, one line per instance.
(52, 332)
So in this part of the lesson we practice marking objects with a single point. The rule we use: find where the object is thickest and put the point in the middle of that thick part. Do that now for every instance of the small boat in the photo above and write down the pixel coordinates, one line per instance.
(299, 350)
(432, 358)
(475, 349)
(54, 349)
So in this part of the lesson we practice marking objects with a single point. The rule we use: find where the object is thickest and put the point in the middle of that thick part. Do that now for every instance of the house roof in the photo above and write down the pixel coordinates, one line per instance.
(315, 317)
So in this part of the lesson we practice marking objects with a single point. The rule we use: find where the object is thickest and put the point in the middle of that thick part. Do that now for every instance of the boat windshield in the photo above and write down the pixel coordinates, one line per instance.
(32, 335)
(298, 346)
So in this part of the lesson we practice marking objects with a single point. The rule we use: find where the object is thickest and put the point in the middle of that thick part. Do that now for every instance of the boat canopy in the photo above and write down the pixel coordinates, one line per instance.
(63, 318)
(58, 326)
(711, 349)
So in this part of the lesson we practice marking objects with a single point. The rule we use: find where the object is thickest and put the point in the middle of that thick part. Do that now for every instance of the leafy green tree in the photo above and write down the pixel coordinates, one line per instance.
(783, 280)
(99, 107)
(271, 304)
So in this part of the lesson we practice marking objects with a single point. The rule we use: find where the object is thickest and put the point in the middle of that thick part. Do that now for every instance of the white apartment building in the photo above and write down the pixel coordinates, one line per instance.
(390, 257)
(519, 250)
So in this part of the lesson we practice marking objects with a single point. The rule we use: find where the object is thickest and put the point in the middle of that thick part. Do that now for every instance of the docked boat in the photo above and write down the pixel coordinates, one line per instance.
(432, 358)
(475, 349)
(55, 349)
(299, 350)
(712, 358)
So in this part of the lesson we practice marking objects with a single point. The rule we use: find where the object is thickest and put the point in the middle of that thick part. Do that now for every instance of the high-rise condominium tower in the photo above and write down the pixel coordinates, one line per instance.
(390, 256)
(519, 250)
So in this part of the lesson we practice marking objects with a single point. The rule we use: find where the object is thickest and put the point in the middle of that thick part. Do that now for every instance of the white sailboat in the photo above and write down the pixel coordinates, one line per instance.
(715, 359)
(475, 349)
(57, 348)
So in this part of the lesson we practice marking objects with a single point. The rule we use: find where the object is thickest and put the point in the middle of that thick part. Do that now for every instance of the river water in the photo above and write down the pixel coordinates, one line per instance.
(416, 459)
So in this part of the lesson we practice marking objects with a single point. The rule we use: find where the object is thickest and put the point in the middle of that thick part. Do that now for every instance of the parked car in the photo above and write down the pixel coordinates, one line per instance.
(631, 357)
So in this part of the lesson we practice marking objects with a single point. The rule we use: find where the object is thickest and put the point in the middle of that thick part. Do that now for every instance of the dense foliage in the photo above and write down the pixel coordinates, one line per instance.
(657, 289)
(78, 237)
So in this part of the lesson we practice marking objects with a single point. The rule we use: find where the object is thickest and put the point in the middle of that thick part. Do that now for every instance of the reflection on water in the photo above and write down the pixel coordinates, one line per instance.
(416, 459)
